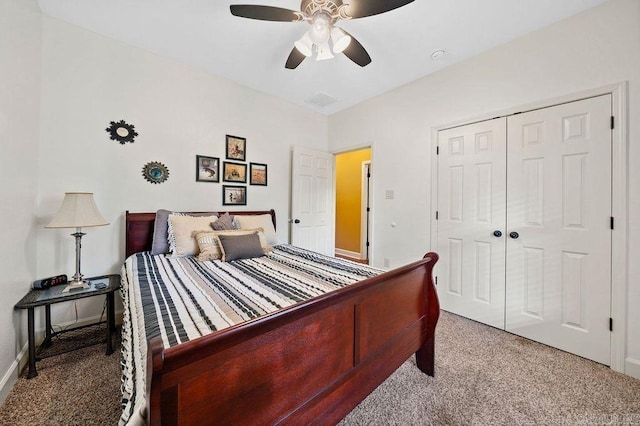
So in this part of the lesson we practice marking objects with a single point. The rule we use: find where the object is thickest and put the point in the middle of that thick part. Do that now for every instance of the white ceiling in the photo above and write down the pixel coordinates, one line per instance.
(204, 34)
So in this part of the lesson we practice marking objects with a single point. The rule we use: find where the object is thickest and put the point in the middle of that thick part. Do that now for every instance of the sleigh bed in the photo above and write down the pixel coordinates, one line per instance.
(309, 363)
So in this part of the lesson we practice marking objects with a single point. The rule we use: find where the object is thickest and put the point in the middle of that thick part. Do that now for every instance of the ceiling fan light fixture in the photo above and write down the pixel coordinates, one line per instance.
(340, 40)
(305, 44)
(324, 52)
(320, 29)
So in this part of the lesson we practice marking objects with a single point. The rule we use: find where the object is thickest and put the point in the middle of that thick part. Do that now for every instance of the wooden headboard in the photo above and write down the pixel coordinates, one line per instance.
(139, 228)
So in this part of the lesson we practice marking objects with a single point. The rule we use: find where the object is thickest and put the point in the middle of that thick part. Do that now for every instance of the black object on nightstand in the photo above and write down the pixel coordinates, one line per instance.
(105, 284)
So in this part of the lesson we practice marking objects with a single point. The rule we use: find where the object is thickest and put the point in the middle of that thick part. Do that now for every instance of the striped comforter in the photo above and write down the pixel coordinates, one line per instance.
(181, 299)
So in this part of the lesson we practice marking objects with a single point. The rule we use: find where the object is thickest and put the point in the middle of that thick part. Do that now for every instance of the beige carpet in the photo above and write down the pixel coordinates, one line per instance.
(486, 376)
(483, 377)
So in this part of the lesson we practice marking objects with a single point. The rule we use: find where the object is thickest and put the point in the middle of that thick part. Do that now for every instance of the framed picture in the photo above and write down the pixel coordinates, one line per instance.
(236, 148)
(258, 174)
(207, 169)
(234, 172)
(234, 195)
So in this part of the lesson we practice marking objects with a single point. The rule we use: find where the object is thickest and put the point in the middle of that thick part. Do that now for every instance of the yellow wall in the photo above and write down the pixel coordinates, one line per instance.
(348, 198)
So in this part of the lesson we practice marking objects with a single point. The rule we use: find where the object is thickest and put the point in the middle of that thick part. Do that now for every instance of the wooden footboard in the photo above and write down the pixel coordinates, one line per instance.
(310, 363)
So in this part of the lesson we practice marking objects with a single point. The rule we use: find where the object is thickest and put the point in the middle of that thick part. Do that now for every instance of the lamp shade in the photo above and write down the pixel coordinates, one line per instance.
(78, 210)
(324, 52)
(305, 44)
(340, 40)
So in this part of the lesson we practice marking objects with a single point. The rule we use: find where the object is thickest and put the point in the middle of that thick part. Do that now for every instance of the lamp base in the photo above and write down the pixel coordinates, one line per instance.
(75, 284)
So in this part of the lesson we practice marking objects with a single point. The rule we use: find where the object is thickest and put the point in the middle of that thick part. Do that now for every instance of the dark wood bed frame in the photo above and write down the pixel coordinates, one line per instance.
(311, 363)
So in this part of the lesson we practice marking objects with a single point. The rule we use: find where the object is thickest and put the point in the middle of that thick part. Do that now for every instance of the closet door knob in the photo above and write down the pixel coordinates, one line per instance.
(497, 233)
(514, 235)
(296, 221)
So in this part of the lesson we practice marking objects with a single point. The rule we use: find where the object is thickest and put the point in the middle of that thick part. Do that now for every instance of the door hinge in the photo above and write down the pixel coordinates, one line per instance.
(368, 174)
(367, 243)
(368, 209)
(436, 280)
(437, 150)
(436, 214)
(611, 222)
(610, 324)
(613, 122)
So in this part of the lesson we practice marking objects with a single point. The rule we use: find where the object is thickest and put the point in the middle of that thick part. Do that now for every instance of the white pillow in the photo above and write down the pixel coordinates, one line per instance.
(259, 221)
(181, 228)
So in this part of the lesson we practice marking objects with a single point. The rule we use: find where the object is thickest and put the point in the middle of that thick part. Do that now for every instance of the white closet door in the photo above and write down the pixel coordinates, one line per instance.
(559, 202)
(471, 207)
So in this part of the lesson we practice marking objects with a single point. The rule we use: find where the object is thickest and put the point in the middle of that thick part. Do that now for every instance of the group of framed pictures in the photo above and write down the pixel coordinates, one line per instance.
(208, 170)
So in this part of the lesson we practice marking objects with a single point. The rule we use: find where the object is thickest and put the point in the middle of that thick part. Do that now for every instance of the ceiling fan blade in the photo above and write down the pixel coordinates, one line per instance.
(295, 58)
(362, 8)
(356, 52)
(265, 13)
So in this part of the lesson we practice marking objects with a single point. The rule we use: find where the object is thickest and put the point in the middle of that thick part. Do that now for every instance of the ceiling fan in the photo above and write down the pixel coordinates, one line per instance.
(322, 15)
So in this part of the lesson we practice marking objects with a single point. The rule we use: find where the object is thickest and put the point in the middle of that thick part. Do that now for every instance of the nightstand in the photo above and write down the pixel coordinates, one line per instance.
(53, 295)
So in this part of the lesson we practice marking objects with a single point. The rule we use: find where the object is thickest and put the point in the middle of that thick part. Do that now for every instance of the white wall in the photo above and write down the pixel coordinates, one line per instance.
(598, 47)
(89, 80)
(20, 51)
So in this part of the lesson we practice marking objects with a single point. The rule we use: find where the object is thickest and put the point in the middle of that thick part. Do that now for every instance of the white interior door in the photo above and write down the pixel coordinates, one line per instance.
(312, 196)
(471, 219)
(559, 204)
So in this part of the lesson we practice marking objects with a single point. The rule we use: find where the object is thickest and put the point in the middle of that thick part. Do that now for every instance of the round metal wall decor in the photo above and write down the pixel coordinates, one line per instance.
(122, 132)
(155, 172)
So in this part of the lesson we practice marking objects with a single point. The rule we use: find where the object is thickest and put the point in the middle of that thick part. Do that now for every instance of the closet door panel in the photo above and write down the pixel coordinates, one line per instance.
(471, 206)
(558, 269)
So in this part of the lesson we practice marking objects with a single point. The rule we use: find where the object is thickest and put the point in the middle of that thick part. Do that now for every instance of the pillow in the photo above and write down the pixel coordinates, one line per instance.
(235, 247)
(210, 247)
(160, 238)
(224, 222)
(259, 221)
(181, 229)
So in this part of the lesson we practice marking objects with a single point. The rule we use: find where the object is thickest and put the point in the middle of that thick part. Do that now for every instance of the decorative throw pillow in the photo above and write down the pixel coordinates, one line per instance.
(181, 228)
(224, 223)
(209, 245)
(259, 221)
(235, 247)
(160, 239)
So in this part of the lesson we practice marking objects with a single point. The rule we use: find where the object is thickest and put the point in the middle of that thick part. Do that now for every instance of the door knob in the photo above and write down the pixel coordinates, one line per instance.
(514, 235)
(497, 233)
(296, 221)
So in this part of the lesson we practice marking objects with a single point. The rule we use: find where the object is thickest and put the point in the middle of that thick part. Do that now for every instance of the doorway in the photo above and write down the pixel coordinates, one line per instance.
(353, 207)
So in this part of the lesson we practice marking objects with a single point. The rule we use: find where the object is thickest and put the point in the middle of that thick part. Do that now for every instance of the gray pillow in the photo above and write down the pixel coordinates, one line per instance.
(224, 223)
(240, 246)
(160, 239)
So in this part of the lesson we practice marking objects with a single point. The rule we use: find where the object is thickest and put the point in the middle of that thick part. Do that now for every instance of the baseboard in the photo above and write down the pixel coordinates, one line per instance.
(12, 374)
(632, 367)
(347, 253)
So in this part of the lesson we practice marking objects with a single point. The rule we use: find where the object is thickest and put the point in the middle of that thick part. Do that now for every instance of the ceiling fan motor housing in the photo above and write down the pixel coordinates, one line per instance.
(333, 8)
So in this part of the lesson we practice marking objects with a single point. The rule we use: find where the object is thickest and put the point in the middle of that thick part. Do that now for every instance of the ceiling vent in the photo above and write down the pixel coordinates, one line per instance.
(320, 100)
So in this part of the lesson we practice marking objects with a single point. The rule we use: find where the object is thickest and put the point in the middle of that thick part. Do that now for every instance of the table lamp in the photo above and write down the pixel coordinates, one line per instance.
(78, 210)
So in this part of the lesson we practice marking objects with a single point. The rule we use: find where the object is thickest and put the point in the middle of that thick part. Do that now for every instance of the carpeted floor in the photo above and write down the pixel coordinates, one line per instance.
(76, 388)
(484, 376)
